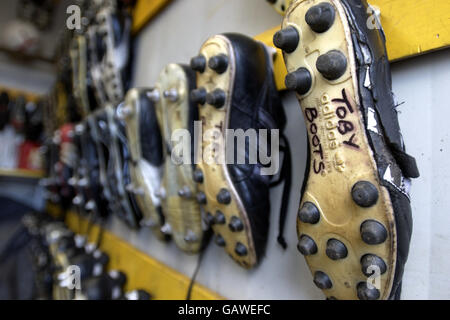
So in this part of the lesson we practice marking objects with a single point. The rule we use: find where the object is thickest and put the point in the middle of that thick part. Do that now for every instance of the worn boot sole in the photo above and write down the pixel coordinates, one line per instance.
(237, 241)
(116, 55)
(346, 225)
(179, 190)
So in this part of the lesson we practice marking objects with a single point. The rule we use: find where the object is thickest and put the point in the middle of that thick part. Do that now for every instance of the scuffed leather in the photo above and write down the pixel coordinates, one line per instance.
(388, 148)
(126, 157)
(193, 108)
(149, 132)
(90, 156)
(255, 105)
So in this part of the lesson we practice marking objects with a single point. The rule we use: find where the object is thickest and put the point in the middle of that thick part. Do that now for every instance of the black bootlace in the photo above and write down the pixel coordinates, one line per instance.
(286, 176)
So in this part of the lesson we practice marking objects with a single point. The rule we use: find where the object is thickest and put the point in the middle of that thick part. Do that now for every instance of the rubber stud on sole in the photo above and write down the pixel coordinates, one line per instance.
(216, 98)
(373, 232)
(309, 213)
(372, 264)
(366, 293)
(220, 241)
(320, 17)
(219, 218)
(236, 224)
(286, 39)
(307, 246)
(198, 176)
(322, 280)
(224, 196)
(336, 250)
(198, 63)
(365, 194)
(201, 198)
(299, 80)
(198, 96)
(332, 65)
(240, 249)
(218, 63)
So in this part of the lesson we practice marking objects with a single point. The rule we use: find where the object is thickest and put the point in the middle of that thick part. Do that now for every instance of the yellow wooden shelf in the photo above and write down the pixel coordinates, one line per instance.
(412, 28)
(21, 173)
(14, 93)
(145, 10)
(143, 271)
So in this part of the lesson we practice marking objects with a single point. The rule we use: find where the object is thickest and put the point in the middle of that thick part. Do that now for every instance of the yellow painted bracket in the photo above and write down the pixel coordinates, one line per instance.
(412, 28)
(14, 93)
(144, 11)
(143, 271)
(21, 173)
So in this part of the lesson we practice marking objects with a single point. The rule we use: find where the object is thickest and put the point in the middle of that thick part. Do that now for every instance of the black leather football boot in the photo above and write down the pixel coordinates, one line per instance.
(108, 132)
(125, 160)
(50, 182)
(146, 156)
(354, 223)
(89, 180)
(78, 181)
(98, 157)
(113, 33)
(236, 90)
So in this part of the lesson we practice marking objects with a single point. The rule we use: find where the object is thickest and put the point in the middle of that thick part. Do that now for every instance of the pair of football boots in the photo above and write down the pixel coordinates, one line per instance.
(354, 223)
(159, 169)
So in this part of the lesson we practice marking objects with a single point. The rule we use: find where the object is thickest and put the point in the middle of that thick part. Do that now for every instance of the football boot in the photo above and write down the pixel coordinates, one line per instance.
(236, 91)
(146, 156)
(354, 223)
(176, 114)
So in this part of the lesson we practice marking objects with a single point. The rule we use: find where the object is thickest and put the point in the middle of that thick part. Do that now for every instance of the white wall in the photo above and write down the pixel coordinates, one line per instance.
(422, 82)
